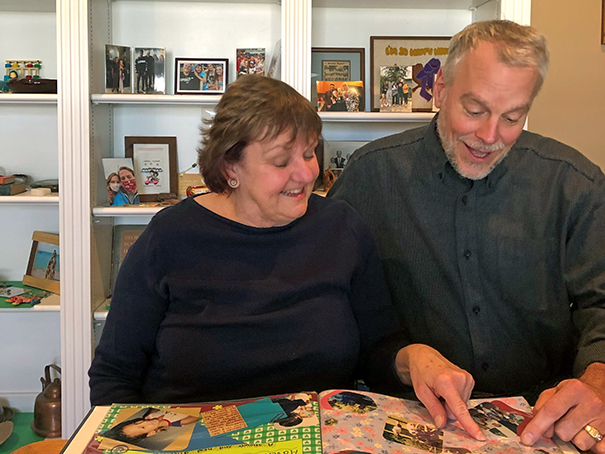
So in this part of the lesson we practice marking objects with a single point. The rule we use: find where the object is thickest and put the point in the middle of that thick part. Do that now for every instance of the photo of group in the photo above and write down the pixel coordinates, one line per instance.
(395, 91)
(336, 155)
(336, 96)
(201, 76)
(121, 182)
(117, 69)
(501, 422)
(250, 61)
(149, 70)
(421, 436)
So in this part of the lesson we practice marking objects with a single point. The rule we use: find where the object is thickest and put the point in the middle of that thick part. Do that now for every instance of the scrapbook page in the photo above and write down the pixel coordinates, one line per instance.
(269, 421)
(364, 422)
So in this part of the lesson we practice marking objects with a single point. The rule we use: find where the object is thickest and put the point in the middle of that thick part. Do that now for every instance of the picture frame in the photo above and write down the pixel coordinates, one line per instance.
(211, 78)
(424, 54)
(155, 165)
(339, 56)
(336, 156)
(124, 237)
(118, 69)
(149, 70)
(112, 168)
(44, 266)
(250, 61)
(336, 96)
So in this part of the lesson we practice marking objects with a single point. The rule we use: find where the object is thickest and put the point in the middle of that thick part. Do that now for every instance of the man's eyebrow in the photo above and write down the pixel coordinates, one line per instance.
(476, 99)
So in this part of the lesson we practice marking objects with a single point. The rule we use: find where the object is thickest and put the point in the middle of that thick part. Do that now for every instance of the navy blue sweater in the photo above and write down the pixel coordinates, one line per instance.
(205, 308)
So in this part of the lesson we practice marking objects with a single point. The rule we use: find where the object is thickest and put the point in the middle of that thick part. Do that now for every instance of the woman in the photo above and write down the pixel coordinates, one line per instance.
(113, 186)
(257, 288)
(127, 194)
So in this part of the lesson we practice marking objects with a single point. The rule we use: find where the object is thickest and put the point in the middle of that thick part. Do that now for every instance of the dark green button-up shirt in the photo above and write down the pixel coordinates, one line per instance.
(504, 276)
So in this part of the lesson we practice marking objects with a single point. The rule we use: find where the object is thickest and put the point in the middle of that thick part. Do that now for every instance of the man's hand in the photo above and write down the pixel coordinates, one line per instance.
(441, 386)
(566, 410)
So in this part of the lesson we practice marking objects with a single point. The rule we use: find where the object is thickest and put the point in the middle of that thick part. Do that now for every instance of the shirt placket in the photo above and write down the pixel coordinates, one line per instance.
(470, 275)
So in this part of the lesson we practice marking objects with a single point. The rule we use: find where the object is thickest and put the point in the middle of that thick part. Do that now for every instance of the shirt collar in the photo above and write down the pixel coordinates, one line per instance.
(441, 169)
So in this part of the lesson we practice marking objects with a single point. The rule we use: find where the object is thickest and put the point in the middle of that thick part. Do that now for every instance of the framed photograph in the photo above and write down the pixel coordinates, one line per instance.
(44, 266)
(395, 88)
(250, 61)
(200, 76)
(424, 54)
(338, 64)
(124, 236)
(336, 70)
(149, 70)
(336, 96)
(155, 165)
(119, 177)
(336, 155)
(117, 69)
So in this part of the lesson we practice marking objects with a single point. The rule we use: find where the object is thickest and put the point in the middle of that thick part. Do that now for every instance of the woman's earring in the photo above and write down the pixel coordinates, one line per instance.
(233, 183)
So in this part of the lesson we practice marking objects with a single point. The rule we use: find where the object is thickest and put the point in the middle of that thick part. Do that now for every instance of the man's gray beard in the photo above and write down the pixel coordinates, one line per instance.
(450, 152)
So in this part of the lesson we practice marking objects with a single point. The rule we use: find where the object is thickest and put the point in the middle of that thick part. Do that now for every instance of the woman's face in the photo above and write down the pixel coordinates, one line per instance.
(219, 70)
(114, 183)
(275, 181)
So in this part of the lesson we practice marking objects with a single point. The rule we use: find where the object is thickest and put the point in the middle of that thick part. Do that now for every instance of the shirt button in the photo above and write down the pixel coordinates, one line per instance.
(464, 199)
(467, 253)
(485, 366)
(476, 309)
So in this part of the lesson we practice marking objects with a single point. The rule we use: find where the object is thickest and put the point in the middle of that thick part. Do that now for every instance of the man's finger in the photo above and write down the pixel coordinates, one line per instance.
(433, 405)
(548, 414)
(459, 409)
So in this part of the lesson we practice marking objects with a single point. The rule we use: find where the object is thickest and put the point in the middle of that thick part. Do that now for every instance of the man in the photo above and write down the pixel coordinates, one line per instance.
(149, 72)
(493, 242)
(187, 79)
(140, 67)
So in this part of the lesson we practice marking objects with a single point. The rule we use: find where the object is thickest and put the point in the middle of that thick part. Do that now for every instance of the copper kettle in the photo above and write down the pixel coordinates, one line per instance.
(47, 408)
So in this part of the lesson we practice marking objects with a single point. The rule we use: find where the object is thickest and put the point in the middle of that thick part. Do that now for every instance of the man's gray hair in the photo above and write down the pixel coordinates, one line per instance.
(517, 45)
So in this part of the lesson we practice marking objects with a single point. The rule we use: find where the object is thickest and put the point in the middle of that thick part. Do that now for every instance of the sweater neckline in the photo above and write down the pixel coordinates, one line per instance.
(248, 228)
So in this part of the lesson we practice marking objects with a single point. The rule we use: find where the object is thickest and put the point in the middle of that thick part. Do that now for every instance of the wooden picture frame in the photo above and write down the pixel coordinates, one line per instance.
(186, 82)
(155, 165)
(124, 237)
(355, 56)
(43, 267)
(424, 54)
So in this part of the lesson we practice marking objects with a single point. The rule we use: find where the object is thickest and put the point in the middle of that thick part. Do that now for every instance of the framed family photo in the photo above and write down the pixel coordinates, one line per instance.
(337, 64)
(337, 96)
(44, 268)
(424, 55)
(149, 70)
(117, 69)
(200, 76)
(250, 61)
(155, 165)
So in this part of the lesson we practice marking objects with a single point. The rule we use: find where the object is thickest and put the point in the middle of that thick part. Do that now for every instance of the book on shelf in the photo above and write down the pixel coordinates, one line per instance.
(331, 422)
(12, 188)
(7, 179)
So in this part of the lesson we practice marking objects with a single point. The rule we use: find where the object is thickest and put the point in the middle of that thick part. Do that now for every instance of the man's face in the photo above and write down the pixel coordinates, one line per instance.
(483, 112)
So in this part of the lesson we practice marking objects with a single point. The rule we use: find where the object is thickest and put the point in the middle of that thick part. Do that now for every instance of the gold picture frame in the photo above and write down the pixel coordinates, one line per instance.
(424, 54)
(43, 267)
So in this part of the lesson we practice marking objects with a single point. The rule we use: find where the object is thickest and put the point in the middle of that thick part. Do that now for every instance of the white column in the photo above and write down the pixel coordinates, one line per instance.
(516, 10)
(74, 209)
(296, 44)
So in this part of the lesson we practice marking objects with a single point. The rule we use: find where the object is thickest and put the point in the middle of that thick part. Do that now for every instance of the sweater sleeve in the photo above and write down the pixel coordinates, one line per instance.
(127, 344)
(381, 334)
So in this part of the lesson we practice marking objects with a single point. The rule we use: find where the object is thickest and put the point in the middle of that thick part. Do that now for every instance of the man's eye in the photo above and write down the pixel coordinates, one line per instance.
(511, 121)
(280, 164)
(473, 113)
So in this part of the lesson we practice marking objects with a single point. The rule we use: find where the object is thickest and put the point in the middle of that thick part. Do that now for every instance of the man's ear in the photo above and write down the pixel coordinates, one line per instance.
(439, 89)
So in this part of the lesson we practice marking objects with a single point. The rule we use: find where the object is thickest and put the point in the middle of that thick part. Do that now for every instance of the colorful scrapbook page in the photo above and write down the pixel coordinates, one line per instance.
(364, 422)
(160, 428)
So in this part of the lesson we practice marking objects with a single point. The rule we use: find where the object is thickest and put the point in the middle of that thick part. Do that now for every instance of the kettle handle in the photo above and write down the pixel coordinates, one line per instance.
(47, 382)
